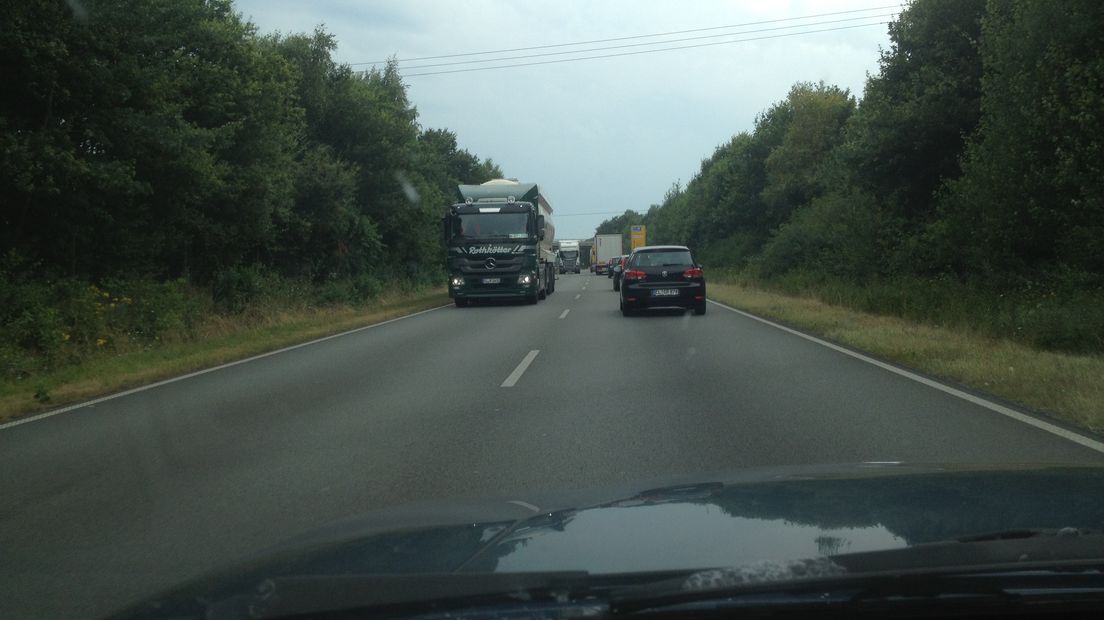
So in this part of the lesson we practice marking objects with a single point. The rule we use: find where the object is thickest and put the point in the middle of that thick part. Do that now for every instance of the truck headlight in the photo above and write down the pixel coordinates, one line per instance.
(456, 281)
(525, 279)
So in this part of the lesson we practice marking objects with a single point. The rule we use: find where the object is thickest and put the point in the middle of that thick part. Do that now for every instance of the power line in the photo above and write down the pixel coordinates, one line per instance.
(637, 52)
(628, 45)
(559, 215)
(638, 36)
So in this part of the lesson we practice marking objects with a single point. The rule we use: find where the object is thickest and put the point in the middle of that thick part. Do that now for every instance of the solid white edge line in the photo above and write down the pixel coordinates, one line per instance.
(564, 313)
(204, 371)
(1053, 429)
(520, 370)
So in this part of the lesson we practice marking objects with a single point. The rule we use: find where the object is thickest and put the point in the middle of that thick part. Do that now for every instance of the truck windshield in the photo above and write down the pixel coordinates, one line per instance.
(569, 253)
(511, 225)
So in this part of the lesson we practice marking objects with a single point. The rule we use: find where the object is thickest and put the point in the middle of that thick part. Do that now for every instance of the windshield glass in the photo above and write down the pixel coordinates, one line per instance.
(482, 225)
(272, 266)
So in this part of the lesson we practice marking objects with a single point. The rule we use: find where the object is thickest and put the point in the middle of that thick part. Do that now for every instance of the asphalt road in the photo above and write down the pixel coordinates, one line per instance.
(109, 502)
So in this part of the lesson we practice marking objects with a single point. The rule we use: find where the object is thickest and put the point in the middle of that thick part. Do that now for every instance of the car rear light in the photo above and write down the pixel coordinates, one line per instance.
(635, 275)
(699, 297)
(631, 299)
(693, 272)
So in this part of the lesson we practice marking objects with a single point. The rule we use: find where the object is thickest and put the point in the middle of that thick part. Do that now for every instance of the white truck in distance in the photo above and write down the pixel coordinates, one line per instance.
(569, 256)
(605, 248)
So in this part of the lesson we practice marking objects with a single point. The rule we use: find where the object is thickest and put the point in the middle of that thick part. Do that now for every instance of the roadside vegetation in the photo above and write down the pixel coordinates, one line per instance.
(166, 171)
(964, 190)
(201, 338)
(1065, 385)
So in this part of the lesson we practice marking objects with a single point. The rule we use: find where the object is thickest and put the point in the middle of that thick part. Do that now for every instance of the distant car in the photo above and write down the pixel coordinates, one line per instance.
(662, 276)
(619, 270)
(610, 264)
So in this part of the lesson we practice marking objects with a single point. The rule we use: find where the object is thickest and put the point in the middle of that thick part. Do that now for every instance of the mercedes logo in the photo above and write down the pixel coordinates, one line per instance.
(664, 274)
(489, 263)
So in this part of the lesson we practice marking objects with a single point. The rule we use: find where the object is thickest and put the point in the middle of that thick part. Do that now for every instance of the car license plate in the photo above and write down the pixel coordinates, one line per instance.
(665, 292)
(492, 280)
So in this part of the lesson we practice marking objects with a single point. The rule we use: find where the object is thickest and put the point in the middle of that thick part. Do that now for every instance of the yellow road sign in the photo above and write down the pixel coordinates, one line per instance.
(638, 235)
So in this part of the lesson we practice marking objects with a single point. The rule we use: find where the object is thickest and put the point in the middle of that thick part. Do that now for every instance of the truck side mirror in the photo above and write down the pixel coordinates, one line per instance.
(540, 226)
(445, 229)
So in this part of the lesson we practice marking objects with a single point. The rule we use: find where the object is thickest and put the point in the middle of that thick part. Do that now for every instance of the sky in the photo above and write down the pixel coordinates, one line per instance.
(602, 135)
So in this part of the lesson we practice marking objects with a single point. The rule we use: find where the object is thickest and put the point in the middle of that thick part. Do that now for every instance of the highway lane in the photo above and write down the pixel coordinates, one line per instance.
(110, 502)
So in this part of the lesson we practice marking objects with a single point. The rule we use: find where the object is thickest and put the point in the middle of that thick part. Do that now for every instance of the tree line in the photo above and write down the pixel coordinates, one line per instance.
(974, 161)
(161, 162)
(168, 139)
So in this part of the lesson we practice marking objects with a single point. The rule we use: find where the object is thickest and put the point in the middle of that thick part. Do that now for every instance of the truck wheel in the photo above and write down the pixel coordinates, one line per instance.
(532, 299)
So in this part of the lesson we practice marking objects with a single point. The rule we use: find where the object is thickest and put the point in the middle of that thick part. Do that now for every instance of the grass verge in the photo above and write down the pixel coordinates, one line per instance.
(1068, 386)
(219, 339)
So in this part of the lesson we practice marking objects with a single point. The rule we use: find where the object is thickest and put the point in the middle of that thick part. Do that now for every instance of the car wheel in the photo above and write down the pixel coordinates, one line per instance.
(700, 309)
(616, 284)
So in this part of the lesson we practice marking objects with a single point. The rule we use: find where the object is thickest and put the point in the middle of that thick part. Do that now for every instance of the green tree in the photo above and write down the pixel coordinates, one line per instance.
(907, 137)
(1032, 190)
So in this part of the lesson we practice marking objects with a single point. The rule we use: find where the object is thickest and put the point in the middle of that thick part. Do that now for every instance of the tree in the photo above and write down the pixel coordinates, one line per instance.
(907, 137)
(1032, 190)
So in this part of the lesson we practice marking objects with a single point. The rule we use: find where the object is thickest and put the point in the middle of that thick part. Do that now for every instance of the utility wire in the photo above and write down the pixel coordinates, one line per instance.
(628, 45)
(559, 215)
(639, 36)
(650, 51)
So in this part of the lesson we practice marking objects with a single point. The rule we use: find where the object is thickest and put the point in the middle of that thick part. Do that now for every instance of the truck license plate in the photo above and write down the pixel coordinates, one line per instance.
(492, 280)
(665, 292)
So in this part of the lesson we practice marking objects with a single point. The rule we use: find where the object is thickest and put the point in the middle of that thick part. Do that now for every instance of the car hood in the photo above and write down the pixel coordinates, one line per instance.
(774, 515)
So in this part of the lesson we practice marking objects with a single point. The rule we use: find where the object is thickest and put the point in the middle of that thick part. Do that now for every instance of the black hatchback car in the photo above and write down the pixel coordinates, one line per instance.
(662, 276)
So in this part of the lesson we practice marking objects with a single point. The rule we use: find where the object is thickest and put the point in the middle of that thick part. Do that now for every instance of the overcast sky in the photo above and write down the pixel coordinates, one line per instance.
(600, 135)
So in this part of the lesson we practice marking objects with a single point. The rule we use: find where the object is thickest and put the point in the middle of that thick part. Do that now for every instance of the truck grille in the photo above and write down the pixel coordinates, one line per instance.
(476, 266)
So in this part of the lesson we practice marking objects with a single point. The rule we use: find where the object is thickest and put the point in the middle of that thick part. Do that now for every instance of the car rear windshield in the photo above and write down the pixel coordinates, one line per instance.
(663, 258)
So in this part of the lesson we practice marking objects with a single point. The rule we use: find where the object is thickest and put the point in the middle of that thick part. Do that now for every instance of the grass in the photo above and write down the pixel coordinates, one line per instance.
(219, 339)
(1067, 386)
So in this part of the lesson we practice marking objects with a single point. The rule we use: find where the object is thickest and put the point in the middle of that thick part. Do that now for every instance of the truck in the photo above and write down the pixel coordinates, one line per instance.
(605, 248)
(569, 256)
(499, 238)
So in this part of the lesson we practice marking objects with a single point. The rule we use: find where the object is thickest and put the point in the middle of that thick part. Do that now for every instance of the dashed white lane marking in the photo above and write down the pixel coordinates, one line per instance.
(1053, 429)
(520, 370)
(578, 295)
(564, 313)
